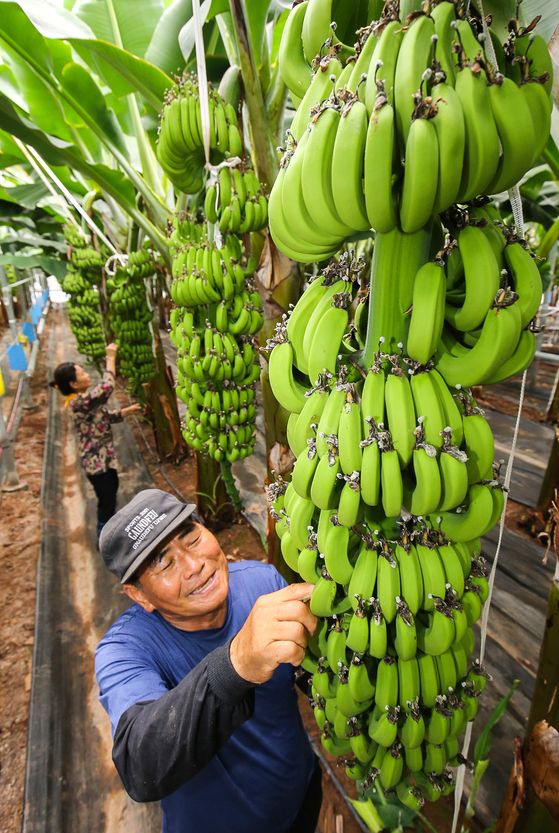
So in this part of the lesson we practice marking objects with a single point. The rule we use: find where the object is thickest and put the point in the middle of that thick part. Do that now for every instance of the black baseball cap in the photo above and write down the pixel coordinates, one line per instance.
(136, 530)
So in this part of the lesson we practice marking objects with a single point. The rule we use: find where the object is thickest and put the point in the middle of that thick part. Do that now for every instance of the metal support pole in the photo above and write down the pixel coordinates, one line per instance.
(7, 298)
(10, 479)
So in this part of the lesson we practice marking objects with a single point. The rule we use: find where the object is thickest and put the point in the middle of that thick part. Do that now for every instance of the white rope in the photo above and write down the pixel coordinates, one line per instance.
(516, 204)
(487, 42)
(514, 193)
(202, 77)
(113, 262)
(72, 200)
(44, 179)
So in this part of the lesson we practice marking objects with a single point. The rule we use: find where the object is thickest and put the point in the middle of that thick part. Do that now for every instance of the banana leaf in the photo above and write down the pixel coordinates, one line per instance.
(50, 265)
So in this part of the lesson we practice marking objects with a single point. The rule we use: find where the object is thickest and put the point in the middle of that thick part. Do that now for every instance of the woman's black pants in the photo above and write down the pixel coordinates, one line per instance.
(105, 485)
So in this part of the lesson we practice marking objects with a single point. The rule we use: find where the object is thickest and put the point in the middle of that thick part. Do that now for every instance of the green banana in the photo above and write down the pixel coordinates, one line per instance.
(348, 166)
(427, 315)
(438, 633)
(411, 579)
(498, 340)
(287, 390)
(388, 583)
(294, 69)
(386, 692)
(454, 474)
(383, 64)
(429, 680)
(400, 415)
(379, 171)
(316, 179)
(482, 273)
(378, 636)
(513, 119)
(414, 58)
(432, 571)
(420, 182)
(526, 280)
(405, 641)
(363, 577)
(481, 152)
(474, 521)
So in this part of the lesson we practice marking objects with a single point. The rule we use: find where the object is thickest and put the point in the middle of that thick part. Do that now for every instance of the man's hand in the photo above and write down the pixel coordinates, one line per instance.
(277, 630)
(131, 409)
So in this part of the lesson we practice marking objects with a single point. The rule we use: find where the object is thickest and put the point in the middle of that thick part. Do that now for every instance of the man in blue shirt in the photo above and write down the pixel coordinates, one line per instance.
(197, 677)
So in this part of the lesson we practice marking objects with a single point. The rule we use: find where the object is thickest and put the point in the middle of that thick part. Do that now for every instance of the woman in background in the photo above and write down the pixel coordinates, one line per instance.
(93, 420)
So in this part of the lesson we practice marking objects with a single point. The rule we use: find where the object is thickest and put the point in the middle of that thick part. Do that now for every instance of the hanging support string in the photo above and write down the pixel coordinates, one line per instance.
(202, 77)
(516, 204)
(72, 200)
(232, 161)
(44, 179)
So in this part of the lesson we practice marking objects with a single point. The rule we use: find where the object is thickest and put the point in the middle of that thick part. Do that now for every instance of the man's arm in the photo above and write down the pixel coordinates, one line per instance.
(159, 745)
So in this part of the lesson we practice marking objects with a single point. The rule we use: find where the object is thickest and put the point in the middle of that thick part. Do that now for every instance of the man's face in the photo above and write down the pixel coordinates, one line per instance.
(187, 582)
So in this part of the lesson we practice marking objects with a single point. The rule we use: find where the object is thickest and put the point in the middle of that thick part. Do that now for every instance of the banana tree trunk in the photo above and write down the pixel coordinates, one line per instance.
(280, 279)
(160, 396)
(523, 811)
(550, 484)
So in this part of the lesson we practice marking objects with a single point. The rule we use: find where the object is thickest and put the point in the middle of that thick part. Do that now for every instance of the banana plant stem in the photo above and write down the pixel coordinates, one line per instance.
(265, 160)
(549, 239)
(396, 258)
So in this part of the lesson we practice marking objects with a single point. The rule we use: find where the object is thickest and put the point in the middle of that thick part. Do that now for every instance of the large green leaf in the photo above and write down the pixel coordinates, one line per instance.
(77, 81)
(121, 70)
(16, 28)
(43, 107)
(256, 15)
(124, 72)
(503, 10)
(208, 10)
(60, 153)
(164, 50)
(28, 238)
(50, 265)
(26, 195)
(114, 183)
(52, 21)
(136, 21)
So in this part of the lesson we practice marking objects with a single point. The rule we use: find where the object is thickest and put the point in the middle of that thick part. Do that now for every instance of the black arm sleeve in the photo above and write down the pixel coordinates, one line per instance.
(160, 744)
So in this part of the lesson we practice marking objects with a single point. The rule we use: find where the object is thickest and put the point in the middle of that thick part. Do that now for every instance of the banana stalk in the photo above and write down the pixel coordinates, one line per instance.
(396, 259)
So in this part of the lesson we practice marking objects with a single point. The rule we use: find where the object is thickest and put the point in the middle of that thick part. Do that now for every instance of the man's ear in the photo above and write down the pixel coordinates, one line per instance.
(137, 595)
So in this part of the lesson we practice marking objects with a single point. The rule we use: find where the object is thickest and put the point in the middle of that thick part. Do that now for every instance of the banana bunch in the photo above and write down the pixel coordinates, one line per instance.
(310, 31)
(131, 318)
(80, 283)
(392, 684)
(493, 292)
(313, 341)
(216, 315)
(180, 147)
(392, 488)
(235, 201)
(394, 482)
(85, 322)
(421, 120)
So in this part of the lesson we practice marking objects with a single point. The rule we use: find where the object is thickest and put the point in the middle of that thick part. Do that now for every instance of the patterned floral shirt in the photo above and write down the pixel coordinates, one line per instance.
(92, 421)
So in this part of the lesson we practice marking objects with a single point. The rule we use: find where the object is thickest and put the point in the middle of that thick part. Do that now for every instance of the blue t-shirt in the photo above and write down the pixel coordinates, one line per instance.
(257, 780)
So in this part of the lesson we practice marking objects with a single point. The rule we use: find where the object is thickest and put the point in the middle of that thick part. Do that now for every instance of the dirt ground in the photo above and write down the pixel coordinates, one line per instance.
(20, 536)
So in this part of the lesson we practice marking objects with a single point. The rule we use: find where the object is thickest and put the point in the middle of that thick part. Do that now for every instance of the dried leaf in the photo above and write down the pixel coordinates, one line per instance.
(542, 765)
